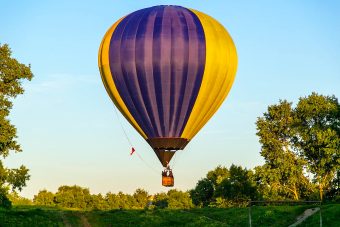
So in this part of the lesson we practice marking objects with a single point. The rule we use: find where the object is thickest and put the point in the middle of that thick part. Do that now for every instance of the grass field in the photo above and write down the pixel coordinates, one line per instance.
(261, 216)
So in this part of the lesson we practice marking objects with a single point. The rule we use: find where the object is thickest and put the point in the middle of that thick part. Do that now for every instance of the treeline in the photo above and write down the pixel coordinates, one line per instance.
(222, 187)
(80, 198)
(236, 186)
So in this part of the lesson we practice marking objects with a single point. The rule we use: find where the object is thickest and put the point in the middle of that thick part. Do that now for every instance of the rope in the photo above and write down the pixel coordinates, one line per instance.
(121, 125)
(150, 167)
(176, 158)
(130, 143)
(179, 153)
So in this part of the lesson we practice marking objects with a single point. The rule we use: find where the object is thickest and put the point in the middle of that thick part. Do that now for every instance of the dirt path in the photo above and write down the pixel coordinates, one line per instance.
(305, 215)
(84, 221)
(65, 220)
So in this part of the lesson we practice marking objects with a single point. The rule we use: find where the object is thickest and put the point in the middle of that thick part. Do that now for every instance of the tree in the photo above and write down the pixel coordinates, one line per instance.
(317, 137)
(98, 202)
(44, 198)
(334, 193)
(126, 201)
(73, 197)
(11, 75)
(179, 200)
(4, 200)
(217, 175)
(160, 200)
(295, 140)
(282, 173)
(203, 193)
(112, 201)
(238, 187)
(16, 199)
(141, 198)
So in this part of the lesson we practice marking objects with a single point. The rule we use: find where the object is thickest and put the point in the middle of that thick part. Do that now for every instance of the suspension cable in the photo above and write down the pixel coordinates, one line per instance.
(130, 143)
(179, 154)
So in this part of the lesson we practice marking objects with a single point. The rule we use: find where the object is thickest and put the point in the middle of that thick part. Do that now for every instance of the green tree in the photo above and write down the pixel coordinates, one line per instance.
(16, 199)
(12, 73)
(73, 197)
(98, 202)
(238, 187)
(44, 198)
(179, 200)
(203, 193)
(282, 173)
(160, 200)
(217, 175)
(334, 193)
(4, 200)
(141, 198)
(317, 137)
(112, 201)
(126, 201)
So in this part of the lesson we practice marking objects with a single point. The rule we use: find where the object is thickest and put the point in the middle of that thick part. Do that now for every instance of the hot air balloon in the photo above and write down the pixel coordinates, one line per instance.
(167, 69)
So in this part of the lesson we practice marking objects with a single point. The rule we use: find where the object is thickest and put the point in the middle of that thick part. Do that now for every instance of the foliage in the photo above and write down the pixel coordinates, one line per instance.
(141, 198)
(16, 199)
(112, 201)
(160, 200)
(97, 202)
(4, 200)
(174, 199)
(282, 174)
(126, 201)
(80, 198)
(239, 187)
(317, 137)
(179, 200)
(12, 73)
(44, 198)
(203, 193)
(217, 175)
(72, 197)
(334, 193)
(298, 141)
(225, 187)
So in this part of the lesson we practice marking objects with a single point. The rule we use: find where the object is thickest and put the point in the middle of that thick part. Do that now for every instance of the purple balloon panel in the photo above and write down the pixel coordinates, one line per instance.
(157, 60)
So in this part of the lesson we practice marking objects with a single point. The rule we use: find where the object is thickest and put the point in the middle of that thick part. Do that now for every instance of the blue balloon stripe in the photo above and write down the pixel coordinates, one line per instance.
(157, 59)
(126, 89)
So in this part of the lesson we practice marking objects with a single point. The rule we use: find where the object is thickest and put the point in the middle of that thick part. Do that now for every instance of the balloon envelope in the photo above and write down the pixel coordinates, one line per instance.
(167, 69)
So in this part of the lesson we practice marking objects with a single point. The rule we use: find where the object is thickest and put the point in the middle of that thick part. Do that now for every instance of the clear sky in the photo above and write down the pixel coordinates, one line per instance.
(67, 125)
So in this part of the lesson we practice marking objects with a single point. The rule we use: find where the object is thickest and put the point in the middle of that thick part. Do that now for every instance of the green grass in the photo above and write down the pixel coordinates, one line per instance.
(278, 215)
(330, 217)
(261, 216)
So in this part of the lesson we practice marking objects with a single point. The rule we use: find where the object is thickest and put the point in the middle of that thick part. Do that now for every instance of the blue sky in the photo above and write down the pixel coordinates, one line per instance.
(67, 125)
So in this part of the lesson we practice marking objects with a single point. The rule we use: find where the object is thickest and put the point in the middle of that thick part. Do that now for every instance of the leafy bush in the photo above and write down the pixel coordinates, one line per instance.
(4, 201)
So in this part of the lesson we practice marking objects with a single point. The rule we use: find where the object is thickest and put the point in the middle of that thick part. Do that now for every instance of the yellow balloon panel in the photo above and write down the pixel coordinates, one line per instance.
(219, 74)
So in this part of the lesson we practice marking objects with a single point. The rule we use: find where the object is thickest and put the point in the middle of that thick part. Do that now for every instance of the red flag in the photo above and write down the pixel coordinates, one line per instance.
(132, 151)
